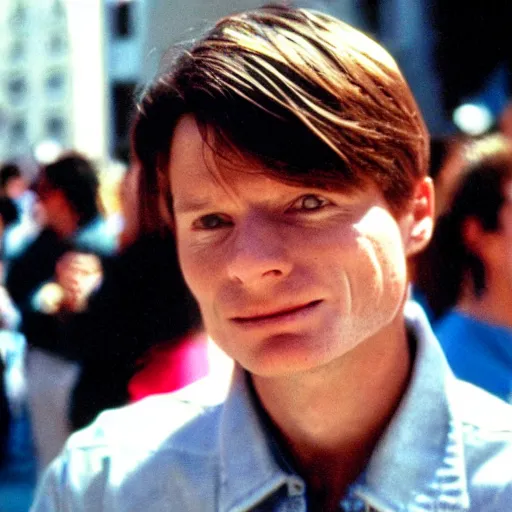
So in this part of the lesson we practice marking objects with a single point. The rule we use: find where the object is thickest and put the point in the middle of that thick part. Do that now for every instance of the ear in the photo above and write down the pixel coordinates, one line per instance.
(419, 217)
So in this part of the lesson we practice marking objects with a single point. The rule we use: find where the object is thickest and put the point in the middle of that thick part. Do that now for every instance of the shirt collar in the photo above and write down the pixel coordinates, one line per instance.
(418, 461)
(249, 471)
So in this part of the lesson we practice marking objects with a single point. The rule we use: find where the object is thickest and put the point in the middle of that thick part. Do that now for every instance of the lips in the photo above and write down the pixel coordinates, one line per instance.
(276, 314)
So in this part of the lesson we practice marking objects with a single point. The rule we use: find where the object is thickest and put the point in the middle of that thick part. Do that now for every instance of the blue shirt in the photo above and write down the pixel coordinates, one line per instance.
(478, 352)
(448, 447)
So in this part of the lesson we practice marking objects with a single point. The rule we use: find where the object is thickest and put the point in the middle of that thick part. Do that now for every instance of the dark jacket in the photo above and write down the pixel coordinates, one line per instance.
(142, 301)
(35, 266)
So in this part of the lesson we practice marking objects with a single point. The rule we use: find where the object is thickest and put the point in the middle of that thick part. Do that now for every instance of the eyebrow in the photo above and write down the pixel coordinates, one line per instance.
(191, 205)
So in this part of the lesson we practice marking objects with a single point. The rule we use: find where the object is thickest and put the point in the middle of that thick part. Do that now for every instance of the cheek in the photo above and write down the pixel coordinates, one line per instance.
(203, 270)
(386, 253)
(390, 253)
(195, 265)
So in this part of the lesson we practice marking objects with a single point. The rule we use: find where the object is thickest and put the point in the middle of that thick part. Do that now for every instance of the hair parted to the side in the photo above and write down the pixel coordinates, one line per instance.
(311, 99)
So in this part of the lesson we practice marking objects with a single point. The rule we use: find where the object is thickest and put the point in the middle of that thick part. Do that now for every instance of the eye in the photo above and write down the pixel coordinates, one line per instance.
(211, 221)
(310, 202)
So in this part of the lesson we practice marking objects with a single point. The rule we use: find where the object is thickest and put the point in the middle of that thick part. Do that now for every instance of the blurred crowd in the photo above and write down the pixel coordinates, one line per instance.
(464, 277)
(93, 307)
(95, 314)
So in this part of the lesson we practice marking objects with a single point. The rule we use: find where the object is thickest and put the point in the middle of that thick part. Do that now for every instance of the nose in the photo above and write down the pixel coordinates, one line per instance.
(258, 252)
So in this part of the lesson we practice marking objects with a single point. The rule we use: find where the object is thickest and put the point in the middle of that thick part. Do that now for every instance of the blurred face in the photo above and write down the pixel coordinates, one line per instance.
(288, 278)
(16, 187)
(54, 209)
(48, 198)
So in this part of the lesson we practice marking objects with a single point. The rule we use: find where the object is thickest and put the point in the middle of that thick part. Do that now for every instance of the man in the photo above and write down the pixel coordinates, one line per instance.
(293, 157)
(14, 186)
(68, 197)
(10, 348)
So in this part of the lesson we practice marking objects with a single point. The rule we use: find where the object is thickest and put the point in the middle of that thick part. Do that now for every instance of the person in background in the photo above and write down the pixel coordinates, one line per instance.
(137, 327)
(67, 193)
(10, 351)
(14, 186)
(471, 260)
(294, 161)
(9, 316)
(9, 216)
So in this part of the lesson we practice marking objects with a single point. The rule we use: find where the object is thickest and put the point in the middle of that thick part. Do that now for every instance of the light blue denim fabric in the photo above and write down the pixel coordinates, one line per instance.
(447, 448)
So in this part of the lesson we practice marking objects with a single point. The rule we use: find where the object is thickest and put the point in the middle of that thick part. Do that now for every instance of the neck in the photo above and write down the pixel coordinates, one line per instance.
(331, 418)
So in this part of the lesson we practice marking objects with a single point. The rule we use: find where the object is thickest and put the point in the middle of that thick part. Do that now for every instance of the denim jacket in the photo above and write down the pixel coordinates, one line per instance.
(447, 448)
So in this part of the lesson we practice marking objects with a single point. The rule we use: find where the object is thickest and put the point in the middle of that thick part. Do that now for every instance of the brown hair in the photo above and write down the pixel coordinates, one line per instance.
(310, 98)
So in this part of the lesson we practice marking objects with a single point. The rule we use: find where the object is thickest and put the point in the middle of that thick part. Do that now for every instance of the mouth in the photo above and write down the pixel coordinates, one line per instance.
(290, 313)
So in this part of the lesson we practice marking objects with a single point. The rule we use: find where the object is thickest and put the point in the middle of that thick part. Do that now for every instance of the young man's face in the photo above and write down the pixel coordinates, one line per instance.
(288, 278)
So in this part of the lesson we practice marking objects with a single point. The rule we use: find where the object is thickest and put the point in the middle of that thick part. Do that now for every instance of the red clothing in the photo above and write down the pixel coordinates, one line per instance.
(170, 366)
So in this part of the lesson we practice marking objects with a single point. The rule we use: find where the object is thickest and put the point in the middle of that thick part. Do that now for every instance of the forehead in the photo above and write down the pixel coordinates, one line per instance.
(198, 155)
(195, 163)
(199, 176)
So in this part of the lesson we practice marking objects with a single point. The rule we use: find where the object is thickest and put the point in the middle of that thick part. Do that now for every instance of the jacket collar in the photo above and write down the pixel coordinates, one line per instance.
(418, 462)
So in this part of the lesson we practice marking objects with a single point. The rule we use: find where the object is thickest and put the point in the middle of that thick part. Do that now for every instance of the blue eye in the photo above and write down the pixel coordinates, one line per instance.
(310, 202)
(211, 221)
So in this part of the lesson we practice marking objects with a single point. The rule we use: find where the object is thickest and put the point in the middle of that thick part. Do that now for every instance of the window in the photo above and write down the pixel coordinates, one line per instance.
(123, 95)
(17, 89)
(56, 44)
(55, 128)
(54, 84)
(58, 9)
(123, 19)
(18, 131)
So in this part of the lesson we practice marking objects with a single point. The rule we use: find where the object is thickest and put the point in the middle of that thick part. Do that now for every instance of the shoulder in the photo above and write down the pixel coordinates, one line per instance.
(158, 417)
(481, 412)
(161, 447)
(486, 437)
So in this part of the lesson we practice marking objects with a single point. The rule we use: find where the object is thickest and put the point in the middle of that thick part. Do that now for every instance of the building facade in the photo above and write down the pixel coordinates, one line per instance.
(34, 76)
(51, 76)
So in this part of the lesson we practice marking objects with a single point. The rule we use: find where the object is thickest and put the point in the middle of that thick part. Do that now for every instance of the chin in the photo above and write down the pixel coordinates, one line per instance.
(287, 354)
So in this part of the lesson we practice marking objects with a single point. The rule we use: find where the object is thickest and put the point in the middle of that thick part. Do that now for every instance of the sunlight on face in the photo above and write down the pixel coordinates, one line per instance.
(287, 277)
